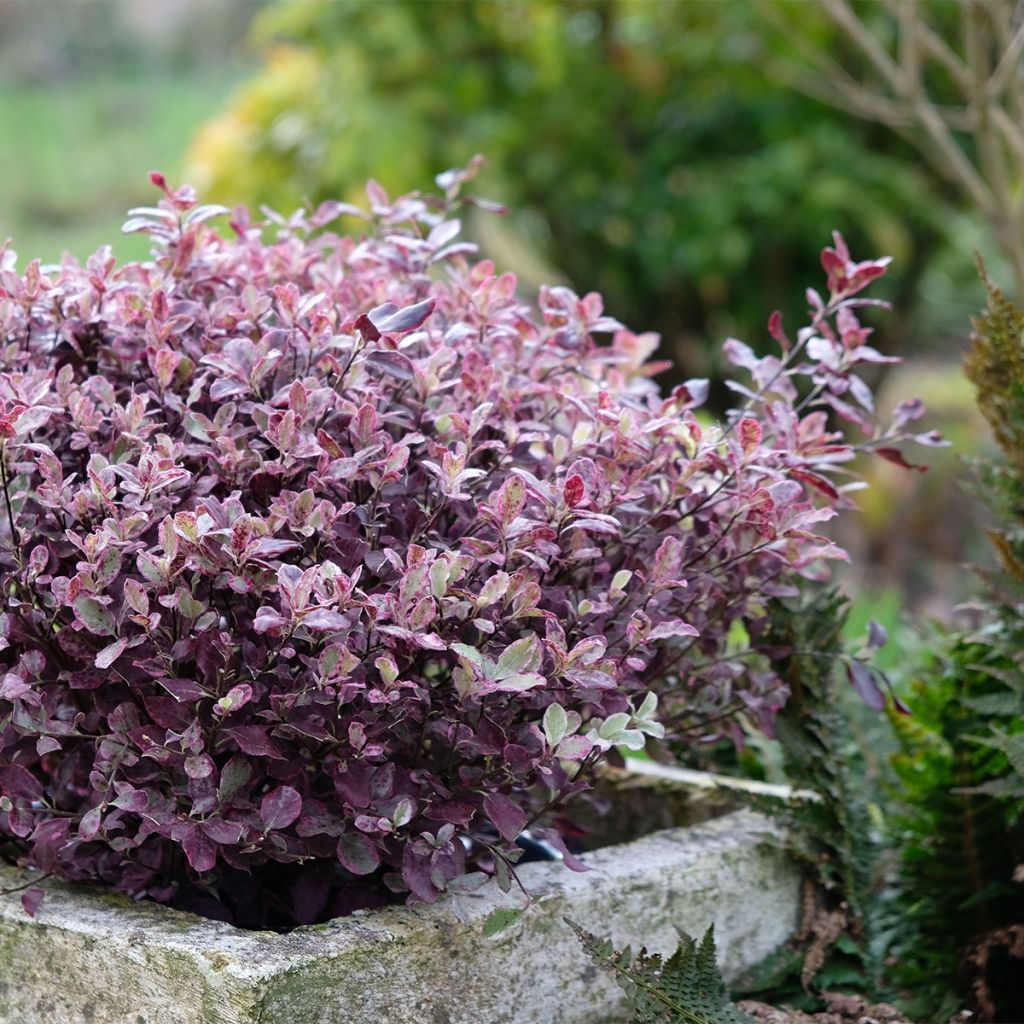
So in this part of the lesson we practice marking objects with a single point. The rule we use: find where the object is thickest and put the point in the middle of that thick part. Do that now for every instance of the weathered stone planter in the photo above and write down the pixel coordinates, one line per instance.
(94, 958)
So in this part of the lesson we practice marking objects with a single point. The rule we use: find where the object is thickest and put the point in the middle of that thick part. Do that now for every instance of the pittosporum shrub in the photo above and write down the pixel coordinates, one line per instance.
(330, 550)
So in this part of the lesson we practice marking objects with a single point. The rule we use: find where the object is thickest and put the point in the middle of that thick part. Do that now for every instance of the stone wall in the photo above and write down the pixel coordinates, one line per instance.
(96, 958)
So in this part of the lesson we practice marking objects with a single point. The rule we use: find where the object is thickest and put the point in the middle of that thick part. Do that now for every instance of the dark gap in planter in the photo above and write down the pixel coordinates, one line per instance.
(282, 897)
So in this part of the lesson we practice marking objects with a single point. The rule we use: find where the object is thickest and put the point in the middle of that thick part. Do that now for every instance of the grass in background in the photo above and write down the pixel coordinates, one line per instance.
(78, 156)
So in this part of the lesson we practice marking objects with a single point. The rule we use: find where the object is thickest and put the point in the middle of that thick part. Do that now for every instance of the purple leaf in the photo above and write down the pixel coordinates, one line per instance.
(201, 853)
(31, 899)
(253, 739)
(199, 766)
(275, 546)
(606, 526)
(280, 807)
(89, 825)
(358, 854)
(303, 521)
(183, 689)
(393, 363)
(864, 682)
(506, 816)
(17, 781)
(878, 636)
(403, 320)
(234, 776)
(221, 832)
(552, 836)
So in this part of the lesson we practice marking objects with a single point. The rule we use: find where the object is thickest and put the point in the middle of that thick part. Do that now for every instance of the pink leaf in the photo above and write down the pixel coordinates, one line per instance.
(269, 620)
(674, 627)
(366, 327)
(324, 619)
(750, 433)
(895, 456)
(111, 653)
(574, 490)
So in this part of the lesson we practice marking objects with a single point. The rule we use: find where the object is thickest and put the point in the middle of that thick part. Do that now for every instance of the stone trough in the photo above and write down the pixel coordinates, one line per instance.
(97, 958)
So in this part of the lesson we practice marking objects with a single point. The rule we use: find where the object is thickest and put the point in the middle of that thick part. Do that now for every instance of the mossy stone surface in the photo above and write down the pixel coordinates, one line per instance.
(93, 958)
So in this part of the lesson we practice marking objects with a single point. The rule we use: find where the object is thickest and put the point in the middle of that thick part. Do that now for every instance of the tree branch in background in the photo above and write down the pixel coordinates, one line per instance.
(947, 78)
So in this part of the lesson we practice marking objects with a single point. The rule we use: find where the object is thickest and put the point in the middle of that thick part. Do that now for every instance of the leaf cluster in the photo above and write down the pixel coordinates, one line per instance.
(329, 564)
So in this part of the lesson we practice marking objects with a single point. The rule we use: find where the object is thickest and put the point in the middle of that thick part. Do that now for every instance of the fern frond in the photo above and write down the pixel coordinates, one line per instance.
(685, 989)
(1012, 745)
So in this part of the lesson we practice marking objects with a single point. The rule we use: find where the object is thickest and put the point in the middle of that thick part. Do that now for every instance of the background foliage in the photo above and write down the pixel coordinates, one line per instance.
(645, 148)
(93, 95)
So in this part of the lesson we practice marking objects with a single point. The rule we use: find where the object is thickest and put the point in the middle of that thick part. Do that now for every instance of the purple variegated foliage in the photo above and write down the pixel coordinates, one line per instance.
(329, 548)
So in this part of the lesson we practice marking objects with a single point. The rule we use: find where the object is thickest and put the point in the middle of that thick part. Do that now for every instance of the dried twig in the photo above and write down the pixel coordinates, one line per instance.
(977, 141)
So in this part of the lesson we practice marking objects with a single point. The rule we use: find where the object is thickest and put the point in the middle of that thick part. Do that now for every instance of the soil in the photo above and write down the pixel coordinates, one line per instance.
(841, 1009)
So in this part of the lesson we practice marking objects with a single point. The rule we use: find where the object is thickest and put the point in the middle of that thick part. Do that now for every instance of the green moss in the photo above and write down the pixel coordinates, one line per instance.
(314, 985)
(218, 961)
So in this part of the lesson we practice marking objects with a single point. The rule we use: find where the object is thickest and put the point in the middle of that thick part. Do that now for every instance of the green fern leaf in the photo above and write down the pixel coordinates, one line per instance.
(1012, 745)
(685, 989)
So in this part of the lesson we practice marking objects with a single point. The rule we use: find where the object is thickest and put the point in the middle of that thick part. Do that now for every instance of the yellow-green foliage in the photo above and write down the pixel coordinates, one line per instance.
(995, 365)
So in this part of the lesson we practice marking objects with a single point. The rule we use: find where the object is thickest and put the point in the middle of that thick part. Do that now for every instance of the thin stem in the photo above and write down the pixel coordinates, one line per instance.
(15, 535)
(25, 885)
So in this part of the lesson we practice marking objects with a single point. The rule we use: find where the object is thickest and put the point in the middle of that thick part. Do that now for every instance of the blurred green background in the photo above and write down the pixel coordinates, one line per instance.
(654, 150)
(93, 95)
